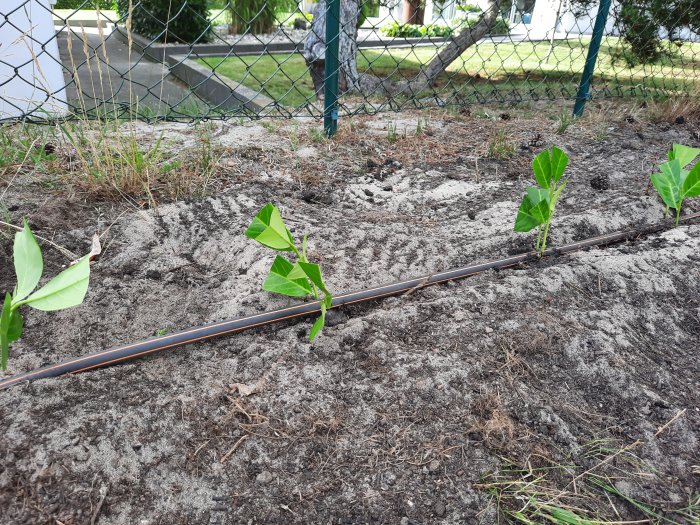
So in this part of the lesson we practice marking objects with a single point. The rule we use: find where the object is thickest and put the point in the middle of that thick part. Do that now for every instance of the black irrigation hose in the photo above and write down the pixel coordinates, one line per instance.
(123, 353)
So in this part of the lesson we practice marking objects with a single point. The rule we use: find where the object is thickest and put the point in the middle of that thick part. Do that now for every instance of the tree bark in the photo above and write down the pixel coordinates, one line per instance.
(413, 12)
(315, 46)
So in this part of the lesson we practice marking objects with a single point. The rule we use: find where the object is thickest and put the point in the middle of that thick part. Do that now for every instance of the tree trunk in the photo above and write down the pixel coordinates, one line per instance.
(351, 80)
(413, 12)
(315, 46)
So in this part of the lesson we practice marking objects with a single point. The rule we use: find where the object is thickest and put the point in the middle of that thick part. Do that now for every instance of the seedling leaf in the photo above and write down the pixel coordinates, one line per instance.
(279, 280)
(4, 330)
(559, 162)
(29, 264)
(683, 154)
(269, 230)
(549, 166)
(668, 188)
(317, 326)
(691, 185)
(65, 290)
(313, 272)
(542, 168)
(528, 217)
(14, 331)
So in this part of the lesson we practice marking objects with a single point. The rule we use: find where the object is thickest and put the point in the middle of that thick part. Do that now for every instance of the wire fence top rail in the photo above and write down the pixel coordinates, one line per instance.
(203, 59)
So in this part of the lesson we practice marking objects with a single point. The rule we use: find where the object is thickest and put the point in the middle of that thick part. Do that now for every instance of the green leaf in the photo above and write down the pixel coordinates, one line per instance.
(559, 162)
(549, 166)
(279, 281)
(691, 185)
(319, 323)
(4, 330)
(29, 265)
(65, 290)
(556, 195)
(317, 326)
(541, 166)
(15, 329)
(269, 230)
(313, 272)
(668, 183)
(683, 154)
(526, 220)
(564, 516)
(536, 195)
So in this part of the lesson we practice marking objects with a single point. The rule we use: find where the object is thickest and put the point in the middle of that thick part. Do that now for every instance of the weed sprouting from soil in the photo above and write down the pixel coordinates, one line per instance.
(568, 492)
(564, 120)
(500, 147)
(391, 134)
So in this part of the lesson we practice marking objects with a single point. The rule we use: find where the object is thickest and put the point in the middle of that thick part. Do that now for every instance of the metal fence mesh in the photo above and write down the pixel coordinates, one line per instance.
(197, 59)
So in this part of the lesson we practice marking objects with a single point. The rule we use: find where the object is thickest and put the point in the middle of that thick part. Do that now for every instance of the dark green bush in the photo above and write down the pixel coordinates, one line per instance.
(640, 23)
(184, 21)
(258, 16)
(398, 30)
(85, 4)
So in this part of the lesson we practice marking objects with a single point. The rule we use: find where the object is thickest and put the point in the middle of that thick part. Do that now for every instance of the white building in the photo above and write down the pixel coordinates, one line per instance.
(535, 18)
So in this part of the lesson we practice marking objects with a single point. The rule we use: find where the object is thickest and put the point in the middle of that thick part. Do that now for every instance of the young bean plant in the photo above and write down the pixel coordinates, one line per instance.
(295, 279)
(538, 205)
(675, 183)
(65, 290)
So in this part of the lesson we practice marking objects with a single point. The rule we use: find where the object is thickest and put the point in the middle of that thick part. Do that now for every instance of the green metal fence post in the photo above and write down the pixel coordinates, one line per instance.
(330, 81)
(598, 29)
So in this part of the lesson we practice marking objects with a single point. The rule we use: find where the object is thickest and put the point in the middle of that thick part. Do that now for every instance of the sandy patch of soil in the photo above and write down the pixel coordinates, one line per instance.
(404, 410)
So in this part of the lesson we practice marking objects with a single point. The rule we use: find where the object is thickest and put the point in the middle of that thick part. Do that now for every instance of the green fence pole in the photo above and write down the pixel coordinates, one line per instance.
(598, 29)
(330, 81)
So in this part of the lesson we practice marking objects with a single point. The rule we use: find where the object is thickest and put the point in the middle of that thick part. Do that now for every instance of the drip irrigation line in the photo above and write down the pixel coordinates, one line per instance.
(123, 353)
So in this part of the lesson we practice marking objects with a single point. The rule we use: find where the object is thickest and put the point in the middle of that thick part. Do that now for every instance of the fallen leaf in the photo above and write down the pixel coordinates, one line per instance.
(96, 248)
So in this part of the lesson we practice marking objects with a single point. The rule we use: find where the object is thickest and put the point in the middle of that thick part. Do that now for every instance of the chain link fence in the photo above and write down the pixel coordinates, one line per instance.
(203, 59)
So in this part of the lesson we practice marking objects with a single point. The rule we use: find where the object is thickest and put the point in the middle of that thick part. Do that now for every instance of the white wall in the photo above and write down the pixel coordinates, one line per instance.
(40, 70)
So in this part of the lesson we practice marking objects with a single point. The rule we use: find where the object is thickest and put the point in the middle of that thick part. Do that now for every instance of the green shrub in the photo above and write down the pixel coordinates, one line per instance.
(368, 9)
(640, 23)
(501, 27)
(258, 16)
(185, 21)
(398, 30)
(86, 4)
(641, 33)
(468, 8)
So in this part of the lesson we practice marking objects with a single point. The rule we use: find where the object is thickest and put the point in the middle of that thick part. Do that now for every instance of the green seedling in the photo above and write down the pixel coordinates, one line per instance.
(538, 204)
(294, 279)
(65, 290)
(675, 183)
(391, 134)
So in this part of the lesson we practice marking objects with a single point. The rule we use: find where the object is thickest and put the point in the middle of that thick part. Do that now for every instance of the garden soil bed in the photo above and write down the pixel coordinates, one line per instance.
(406, 410)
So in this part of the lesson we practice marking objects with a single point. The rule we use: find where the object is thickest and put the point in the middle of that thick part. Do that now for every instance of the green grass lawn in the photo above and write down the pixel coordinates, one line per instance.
(486, 70)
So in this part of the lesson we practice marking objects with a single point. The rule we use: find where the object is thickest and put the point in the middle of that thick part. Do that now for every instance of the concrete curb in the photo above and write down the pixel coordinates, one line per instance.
(222, 92)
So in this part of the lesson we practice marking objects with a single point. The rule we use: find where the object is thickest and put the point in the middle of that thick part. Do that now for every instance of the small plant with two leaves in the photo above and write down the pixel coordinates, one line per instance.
(294, 279)
(539, 203)
(65, 290)
(675, 183)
